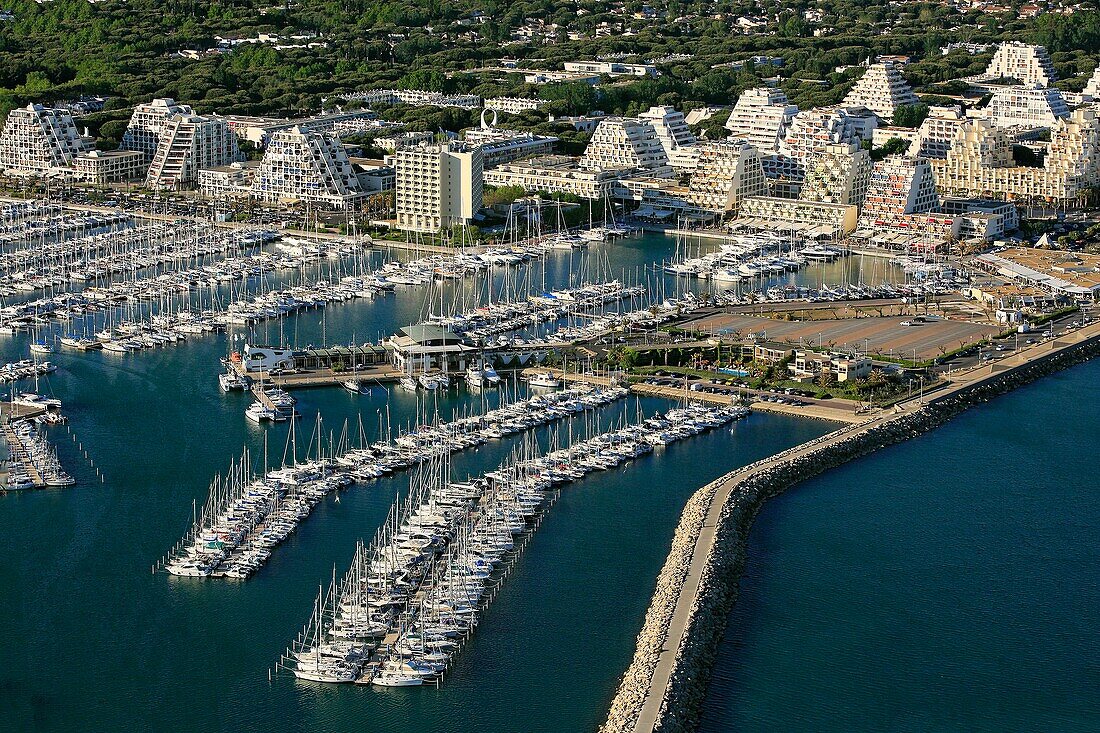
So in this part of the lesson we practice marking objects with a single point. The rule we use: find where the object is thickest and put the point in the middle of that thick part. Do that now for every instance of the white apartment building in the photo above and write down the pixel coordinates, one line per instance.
(187, 144)
(417, 98)
(768, 213)
(148, 122)
(553, 174)
(761, 117)
(438, 186)
(109, 166)
(227, 181)
(1030, 64)
(514, 105)
(308, 167)
(902, 199)
(839, 175)
(624, 142)
(503, 146)
(981, 164)
(936, 134)
(39, 139)
(727, 172)
(882, 89)
(812, 130)
(611, 68)
(808, 135)
(1026, 107)
(1091, 92)
(675, 136)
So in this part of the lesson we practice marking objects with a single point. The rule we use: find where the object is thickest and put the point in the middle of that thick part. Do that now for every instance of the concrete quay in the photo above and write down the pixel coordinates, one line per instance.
(665, 684)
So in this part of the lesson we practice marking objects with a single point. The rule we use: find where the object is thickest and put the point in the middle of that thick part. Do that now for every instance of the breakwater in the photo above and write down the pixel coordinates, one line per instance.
(666, 682)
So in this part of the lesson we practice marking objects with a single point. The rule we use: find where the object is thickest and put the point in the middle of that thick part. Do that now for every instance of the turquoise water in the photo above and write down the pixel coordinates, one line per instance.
(92, 640)
(951, 583)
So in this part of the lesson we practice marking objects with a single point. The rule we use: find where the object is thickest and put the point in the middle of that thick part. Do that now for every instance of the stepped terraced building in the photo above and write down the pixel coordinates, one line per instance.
(676, 138)
(902, 200)
(727, 172)
(761, 118)
(981, 164)
(1030, 64)
(40, 140)
(882, 89)
(177, 143)
(1026, 107)
(625, 143)
(307, 167)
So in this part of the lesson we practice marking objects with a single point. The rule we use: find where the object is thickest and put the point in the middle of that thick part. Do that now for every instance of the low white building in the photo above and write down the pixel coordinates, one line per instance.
(514, 105)
(553, 174)
(109, 166)
(610, 68)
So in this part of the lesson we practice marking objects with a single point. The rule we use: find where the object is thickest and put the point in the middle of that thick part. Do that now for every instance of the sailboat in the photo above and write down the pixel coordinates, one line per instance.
(41, 345)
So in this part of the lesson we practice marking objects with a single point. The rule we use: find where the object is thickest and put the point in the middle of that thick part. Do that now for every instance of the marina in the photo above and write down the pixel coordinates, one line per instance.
(32, 462)
(525, 640)
(247, 516)
(415, 592)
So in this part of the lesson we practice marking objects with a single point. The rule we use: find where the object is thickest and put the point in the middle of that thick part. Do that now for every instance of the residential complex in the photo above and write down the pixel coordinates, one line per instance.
(839, 175)
(503, 146)
(981, 163)
(812, 218)
(902, 199)
(554, 174)
(40, 140)
(882, 89)
(438, 186)
(761, 118)
(812, 130)
(610, 68)
(624, 143)
(1031, 65)
(1026, 107)
(727, 172)
(417, 98)
(307, 167)
(109, 166)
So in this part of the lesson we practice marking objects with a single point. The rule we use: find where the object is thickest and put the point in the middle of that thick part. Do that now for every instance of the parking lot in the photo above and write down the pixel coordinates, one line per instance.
(886, 336)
